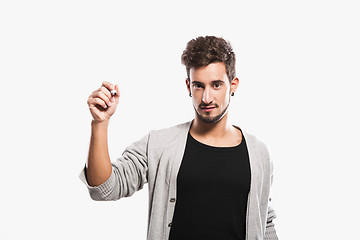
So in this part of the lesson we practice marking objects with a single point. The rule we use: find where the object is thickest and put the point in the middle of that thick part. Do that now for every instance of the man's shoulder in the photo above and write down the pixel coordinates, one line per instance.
(251, 137)
(173, 129)
(255, 142)
(166, 134)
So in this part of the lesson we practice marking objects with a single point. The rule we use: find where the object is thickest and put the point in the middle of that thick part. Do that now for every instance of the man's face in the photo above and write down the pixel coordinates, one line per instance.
(210, 89)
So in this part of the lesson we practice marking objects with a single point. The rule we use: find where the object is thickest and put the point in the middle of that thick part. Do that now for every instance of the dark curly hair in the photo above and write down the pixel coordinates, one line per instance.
(202, 51)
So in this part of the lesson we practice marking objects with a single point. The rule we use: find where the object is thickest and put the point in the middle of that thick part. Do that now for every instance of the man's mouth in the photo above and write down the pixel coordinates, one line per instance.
(207, 109)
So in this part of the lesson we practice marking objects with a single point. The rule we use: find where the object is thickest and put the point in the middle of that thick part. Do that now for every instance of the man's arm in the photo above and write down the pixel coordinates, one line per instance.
(270, 232)
(128, 173)
(98, 167)
(102, 105)
(106, 180)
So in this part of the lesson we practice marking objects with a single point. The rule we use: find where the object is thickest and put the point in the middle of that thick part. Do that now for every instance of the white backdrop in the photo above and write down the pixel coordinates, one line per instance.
(298, 64)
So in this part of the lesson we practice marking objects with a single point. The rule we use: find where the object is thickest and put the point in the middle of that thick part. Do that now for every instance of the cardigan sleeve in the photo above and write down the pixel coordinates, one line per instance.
(129, 174)
(270, 232)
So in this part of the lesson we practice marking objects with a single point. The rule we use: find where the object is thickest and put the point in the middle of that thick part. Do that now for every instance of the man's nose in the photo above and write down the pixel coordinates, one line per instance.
(207, 96)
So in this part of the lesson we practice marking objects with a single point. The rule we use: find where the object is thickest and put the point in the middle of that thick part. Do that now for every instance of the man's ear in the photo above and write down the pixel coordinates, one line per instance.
(187, 81)
(234, 84)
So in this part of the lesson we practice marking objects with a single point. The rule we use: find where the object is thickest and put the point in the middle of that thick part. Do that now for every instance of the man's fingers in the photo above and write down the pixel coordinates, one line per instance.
(108, 85)
(106, 91)
(100, 102)
(100, 94)
(96, 101)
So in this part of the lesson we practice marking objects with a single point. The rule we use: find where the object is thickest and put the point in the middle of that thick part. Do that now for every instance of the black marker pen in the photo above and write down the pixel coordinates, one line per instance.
(113, 92)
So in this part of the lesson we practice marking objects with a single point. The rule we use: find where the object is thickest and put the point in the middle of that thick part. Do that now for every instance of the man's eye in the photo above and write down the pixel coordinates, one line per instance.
(197, 86)
(217, 85)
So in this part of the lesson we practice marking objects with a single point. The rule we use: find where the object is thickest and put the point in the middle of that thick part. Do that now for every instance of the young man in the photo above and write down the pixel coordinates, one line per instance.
(207, 179)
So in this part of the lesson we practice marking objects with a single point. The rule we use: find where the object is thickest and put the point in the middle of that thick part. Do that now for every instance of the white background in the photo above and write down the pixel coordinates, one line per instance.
(298, 64)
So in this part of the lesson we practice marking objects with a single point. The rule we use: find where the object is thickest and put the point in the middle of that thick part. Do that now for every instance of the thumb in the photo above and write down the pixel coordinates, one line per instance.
(117, 96)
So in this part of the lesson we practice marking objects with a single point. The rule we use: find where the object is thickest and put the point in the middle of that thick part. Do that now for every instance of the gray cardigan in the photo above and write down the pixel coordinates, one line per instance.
(155, 159)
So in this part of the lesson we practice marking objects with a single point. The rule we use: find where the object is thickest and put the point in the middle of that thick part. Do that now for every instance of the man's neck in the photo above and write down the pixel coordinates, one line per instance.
(211, 130)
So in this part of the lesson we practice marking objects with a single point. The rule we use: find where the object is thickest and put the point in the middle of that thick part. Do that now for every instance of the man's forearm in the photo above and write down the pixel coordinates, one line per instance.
(98, 168)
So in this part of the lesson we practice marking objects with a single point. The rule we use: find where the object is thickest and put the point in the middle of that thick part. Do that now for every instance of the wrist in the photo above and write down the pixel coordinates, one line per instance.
(102, 123)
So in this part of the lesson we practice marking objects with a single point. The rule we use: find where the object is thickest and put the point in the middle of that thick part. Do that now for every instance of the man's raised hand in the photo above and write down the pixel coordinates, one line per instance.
(102, 103)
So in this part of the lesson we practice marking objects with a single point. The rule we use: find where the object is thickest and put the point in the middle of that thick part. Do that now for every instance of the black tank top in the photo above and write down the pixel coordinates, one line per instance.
(212, 191)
